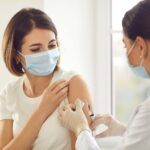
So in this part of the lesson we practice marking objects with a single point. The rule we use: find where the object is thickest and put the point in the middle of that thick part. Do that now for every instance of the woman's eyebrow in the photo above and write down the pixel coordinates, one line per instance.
(35, 44)
(39, 44)
(53, 40)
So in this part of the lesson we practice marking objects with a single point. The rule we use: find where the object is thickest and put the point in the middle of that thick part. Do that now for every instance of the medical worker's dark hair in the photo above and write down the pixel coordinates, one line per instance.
(136, 21)
(21, 24)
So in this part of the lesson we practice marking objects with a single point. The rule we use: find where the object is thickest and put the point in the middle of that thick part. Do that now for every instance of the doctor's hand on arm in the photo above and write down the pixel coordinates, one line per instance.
(76, 121)
(115, 127)
(73, 117)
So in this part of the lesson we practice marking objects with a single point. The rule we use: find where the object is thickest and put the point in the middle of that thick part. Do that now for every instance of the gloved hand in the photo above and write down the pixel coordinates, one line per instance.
(73, 119)
(115, 128)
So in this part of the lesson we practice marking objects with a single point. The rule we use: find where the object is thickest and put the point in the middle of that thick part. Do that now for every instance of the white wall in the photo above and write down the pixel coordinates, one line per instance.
(83, 28)
(103, 58)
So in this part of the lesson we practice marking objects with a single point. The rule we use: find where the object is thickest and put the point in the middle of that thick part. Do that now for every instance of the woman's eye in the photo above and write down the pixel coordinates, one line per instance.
(52, 46)
(35, 50)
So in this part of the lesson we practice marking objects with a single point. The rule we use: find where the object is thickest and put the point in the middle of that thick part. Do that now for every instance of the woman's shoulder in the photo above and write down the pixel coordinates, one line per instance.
(66, 74)
(76, 79)
(12, 86)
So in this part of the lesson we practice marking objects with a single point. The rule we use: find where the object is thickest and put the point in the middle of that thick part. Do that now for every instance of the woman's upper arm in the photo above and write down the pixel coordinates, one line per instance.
(6, 134)
(79, 89)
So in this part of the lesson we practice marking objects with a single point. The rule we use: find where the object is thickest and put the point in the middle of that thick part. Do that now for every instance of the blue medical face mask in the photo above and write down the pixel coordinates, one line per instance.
(138, 70)
(42, 63)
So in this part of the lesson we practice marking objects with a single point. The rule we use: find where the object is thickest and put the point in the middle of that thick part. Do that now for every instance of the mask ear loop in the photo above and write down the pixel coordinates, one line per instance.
(23, 65)
(129, 51)
(20, 53)
(141, 63)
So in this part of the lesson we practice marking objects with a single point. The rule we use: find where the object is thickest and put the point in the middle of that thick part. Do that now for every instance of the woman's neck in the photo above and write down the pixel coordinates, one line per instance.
(34, 86)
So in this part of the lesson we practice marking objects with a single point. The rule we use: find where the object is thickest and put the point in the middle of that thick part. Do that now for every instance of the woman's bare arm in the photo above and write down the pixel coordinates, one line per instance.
(6, 134)
(78, 89)
(27, 136)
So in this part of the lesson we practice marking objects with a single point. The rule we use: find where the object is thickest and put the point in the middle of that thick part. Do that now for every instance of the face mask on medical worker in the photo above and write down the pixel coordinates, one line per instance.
(138, 70)
(42, 63)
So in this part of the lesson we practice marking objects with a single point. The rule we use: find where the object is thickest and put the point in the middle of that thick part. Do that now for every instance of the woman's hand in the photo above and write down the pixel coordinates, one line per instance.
(115, 128)
(52, 97)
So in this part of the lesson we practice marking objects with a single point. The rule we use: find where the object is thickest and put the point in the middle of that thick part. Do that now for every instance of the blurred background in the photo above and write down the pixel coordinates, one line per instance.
(90, 34)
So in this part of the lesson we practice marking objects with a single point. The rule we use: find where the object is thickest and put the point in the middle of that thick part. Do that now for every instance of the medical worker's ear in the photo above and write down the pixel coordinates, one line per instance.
(142, 47)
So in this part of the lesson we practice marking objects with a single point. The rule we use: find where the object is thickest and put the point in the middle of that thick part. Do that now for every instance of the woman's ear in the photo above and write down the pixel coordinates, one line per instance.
(18, 59)
(142, 47)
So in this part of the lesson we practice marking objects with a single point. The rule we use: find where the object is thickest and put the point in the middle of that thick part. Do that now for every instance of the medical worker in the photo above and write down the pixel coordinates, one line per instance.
(136, 135)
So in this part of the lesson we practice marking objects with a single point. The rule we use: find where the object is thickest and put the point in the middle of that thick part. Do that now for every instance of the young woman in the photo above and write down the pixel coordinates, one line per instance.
(28, 106)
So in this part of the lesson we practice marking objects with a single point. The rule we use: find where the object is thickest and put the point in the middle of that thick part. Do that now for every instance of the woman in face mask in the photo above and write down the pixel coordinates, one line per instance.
(28, 116)
(136, 135)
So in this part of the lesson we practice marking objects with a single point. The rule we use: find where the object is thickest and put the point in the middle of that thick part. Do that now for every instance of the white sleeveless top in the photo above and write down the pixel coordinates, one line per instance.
(14, 104)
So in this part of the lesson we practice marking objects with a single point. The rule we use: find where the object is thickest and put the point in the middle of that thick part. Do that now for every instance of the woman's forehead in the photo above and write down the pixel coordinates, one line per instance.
(37, 35)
